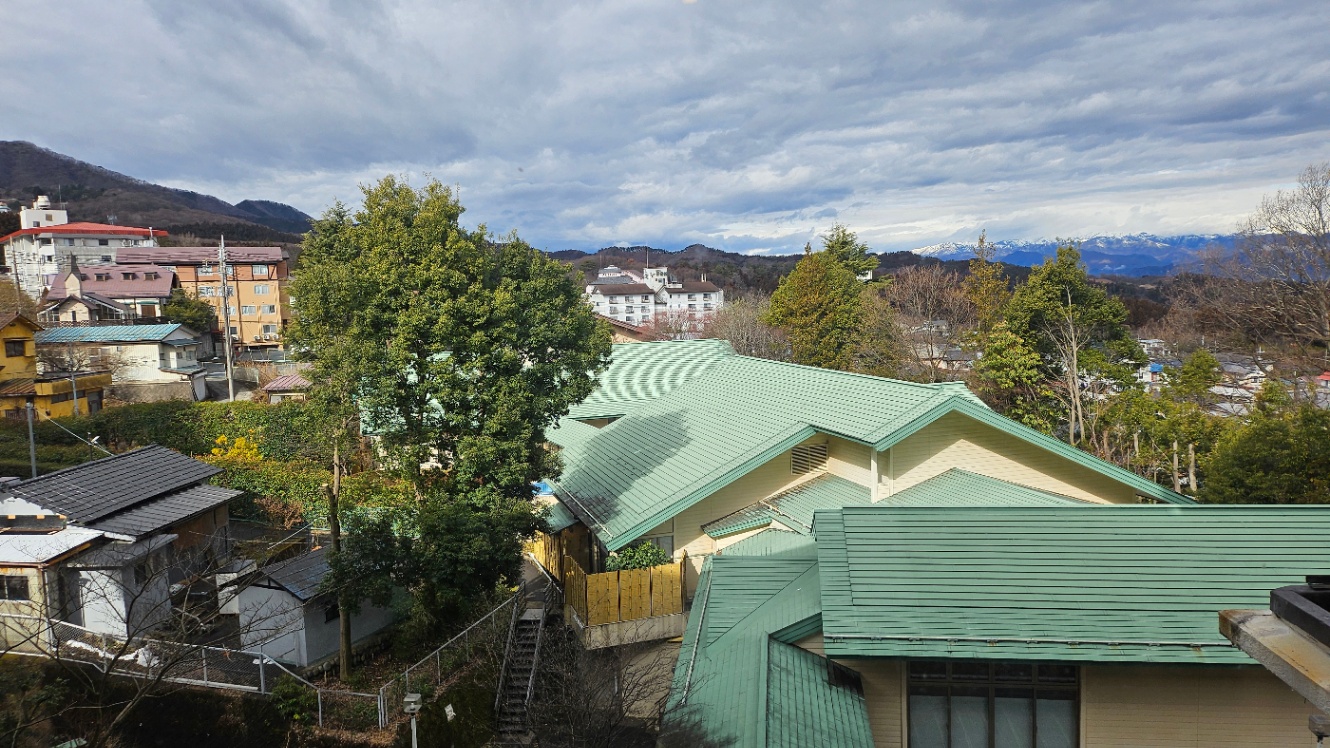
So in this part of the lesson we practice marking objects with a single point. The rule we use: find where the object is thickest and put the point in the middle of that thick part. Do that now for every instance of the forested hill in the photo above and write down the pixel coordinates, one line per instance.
(736, 272)
(92, 193)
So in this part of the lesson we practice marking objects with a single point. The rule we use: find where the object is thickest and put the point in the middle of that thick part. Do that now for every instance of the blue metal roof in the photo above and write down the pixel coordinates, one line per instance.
(107, 334)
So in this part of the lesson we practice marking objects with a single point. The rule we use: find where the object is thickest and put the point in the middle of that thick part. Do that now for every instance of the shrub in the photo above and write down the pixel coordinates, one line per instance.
(296, 701)
(643, 555)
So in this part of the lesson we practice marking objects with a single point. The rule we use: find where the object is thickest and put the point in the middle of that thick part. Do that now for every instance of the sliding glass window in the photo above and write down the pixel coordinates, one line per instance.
(978, 704)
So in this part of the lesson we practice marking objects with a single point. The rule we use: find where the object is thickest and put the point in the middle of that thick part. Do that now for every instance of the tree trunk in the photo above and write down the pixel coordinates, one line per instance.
(1177, 479)
(1191, 467)
(335, 525)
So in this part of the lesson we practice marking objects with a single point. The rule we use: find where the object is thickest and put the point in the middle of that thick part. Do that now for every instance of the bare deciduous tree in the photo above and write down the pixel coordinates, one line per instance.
(740, 322)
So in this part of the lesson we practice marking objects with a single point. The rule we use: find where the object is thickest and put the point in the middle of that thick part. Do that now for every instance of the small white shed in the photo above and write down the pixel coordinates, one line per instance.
(283, 615)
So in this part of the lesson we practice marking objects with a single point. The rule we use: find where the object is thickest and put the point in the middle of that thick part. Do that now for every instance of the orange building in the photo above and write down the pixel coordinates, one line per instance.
(257, 277)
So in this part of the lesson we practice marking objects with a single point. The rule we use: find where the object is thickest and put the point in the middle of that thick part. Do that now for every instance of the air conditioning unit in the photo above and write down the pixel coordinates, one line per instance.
(258, 337)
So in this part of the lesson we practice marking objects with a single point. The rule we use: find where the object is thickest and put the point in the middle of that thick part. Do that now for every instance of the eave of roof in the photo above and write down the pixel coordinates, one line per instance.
(84, 227)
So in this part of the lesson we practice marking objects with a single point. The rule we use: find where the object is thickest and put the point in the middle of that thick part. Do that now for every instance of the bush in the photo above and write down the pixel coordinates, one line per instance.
(644, 555)
(295, 701)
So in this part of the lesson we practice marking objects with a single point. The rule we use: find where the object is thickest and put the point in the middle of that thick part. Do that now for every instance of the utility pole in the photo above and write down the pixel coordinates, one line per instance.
(226, 320)
(74, 384)
(32, 442)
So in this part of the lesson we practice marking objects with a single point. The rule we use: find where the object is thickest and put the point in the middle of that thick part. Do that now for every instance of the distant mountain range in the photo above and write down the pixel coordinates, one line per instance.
(1136, 255)
(92, 193)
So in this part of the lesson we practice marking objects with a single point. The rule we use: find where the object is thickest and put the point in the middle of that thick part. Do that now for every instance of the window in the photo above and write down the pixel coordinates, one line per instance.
(808, 458)
(331, 612)
(235, 331)
(63, 397)
(15, 348)
(106, 258)
(231, 310)
(49, 218)
(67, 242)
(692, 297)
(976, 704)
(103, 242)
(259, 271)
(248, 309)
(148, 310)
(103, 276)
(127, 276)
(270, 329)
(261, 289)
(706, 297)
(645, 298)
(14, 588)
(206, 270)
(150, 276)
(268, 309)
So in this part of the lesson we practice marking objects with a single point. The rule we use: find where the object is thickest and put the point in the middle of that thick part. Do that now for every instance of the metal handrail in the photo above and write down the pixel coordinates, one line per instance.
(535, 657)
(507, 649)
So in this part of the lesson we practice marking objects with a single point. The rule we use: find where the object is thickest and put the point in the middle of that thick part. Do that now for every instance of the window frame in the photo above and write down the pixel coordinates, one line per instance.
(992, 684)
(10, 583)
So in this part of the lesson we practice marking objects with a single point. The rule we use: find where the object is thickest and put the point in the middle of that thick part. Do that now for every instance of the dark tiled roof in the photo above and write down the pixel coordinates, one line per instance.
(101, 488)
(160, 514)
(697, 287)
(301, 575)
(627, 289)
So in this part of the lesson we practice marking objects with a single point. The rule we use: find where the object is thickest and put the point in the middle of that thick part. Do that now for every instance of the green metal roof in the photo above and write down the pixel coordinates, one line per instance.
(106, 334)
(1077, 583)
(558, 517)
(794, 507)
(773, 542)
(709, 426)
(742, 687)
(670, 453)
(641, 372)
(958, 487)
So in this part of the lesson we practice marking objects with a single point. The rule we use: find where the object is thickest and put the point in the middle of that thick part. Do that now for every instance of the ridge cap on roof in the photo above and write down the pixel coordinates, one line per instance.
(933, 387)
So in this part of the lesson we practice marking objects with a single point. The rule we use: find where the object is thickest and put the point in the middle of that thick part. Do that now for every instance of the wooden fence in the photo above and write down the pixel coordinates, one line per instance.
(629, 595)
(548, 551)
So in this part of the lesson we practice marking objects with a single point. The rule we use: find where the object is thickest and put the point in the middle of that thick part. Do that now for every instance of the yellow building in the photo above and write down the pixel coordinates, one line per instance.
(257, 277)
(53, 395)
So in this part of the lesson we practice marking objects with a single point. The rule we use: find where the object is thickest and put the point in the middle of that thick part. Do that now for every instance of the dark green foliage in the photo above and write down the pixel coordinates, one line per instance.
(295, 701)
(818, 308)
(473, 702)
(642, 555)
(1278, 457)
(196, 314)
(1192, 381)
(844, 246)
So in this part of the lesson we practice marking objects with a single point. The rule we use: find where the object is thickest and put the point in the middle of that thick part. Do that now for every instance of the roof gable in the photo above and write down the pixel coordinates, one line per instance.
(94, 490)
(1089, 583)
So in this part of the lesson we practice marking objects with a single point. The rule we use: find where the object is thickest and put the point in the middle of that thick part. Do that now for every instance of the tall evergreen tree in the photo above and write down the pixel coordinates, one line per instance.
(844, 246)
(818, 307)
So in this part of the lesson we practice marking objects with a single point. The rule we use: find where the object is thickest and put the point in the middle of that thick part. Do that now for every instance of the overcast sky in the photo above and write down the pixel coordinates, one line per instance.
(747, 126)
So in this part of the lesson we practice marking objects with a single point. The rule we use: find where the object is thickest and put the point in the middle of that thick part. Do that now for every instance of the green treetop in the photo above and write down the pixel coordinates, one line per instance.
(986, 286)
(194, 313)
(818, 307)
(844, 246)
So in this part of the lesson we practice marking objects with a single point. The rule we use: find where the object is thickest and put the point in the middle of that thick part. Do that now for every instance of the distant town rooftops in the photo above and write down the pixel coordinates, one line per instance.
(197, 255)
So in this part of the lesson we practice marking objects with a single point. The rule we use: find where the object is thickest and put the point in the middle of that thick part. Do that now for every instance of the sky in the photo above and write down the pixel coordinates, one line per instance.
(746, 126)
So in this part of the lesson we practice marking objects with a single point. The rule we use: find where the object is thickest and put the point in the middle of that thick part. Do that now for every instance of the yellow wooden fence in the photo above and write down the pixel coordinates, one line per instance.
(629, 595)
(549, 552)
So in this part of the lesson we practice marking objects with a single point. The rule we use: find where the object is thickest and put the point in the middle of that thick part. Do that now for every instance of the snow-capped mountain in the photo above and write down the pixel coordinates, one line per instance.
(1137, 254)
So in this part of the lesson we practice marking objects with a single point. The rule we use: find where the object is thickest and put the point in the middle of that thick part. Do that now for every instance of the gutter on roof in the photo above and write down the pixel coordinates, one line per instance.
(1023, 640)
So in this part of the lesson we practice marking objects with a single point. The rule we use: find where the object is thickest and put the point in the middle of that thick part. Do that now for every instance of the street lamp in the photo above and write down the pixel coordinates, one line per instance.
(411, 705)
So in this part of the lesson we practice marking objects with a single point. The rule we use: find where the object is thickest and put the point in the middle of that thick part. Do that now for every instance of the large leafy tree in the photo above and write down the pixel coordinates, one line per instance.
(1079, 332)
(1280, 456)
(459, 350)
(818, 307)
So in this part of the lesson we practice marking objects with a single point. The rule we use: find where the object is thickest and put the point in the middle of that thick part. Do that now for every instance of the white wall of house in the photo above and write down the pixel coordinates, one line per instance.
(321, 635)
(272, 622)
(113, 603)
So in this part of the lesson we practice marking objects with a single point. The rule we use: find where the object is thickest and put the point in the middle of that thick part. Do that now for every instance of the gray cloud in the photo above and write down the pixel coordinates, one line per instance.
(749, 127)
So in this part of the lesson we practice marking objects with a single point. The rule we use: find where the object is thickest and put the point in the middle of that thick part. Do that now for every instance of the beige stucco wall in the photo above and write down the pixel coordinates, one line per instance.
(958, 441)
(772, 477)
(1135, 706)
(1205, 707)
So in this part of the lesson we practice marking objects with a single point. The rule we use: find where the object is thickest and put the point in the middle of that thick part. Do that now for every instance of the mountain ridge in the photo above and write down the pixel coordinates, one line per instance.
(95, 193)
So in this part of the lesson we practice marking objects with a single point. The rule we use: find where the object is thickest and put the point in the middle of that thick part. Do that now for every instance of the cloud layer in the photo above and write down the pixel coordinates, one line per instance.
(744, 126)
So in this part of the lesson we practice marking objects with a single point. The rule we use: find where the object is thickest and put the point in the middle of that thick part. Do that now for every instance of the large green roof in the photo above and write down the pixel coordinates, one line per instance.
(669, 453)
(713, 426)
(641, 372)
(1076, 583)
(743, 687)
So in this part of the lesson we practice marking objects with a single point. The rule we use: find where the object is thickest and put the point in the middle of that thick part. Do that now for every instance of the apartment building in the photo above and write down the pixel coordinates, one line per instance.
(653, 298)
(257, 279)
(46, 241)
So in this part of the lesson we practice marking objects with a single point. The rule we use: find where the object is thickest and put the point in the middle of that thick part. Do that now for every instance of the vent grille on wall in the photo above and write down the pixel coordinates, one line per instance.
(808, 458)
